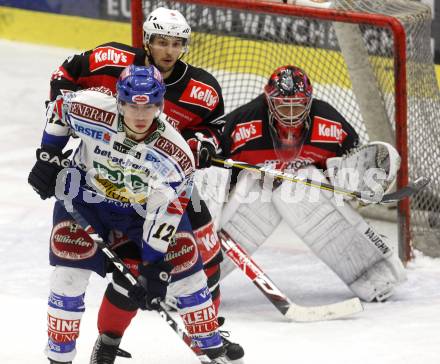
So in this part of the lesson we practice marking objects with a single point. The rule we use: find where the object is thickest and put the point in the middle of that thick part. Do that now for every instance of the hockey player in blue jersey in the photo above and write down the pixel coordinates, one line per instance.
(132, 171)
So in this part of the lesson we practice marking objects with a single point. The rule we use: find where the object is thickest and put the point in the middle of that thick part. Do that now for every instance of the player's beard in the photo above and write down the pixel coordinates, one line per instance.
(165, 69)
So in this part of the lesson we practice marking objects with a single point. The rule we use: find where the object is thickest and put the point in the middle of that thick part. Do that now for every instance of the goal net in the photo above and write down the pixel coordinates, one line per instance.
(370, 59)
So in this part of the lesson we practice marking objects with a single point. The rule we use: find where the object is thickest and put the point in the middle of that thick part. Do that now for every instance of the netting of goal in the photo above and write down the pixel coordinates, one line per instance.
(371, 60)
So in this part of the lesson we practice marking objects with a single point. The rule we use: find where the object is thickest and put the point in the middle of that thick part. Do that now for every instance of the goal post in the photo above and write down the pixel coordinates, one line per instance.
(370, 59)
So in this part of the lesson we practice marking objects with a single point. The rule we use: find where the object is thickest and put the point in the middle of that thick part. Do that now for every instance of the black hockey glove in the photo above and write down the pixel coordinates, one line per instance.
(204, 149)
(154, 279)
(43, 176)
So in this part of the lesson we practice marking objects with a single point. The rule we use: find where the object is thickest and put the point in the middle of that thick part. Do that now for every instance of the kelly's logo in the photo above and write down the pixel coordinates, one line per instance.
(200, 94)
(109, 56)
(327, 131)
(244, 132)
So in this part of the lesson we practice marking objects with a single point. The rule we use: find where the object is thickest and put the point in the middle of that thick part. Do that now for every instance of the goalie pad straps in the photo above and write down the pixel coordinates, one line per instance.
(249, 216)
(372, 167)
(341, 238)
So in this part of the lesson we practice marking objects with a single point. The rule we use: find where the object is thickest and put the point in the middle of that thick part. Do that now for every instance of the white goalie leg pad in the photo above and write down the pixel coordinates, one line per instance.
(372, 168)
(340, 237)
(65, 310)
(213, 187)
(249, 216)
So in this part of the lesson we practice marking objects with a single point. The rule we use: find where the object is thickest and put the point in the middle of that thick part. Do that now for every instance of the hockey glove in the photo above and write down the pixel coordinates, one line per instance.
(154, 279)
(204, 149)
(43, 176)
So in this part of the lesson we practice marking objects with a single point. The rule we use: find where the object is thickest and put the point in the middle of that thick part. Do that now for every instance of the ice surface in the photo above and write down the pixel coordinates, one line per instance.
(403, 330)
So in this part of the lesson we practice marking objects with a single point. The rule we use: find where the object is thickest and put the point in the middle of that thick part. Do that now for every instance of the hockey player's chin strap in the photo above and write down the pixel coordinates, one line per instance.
(369, 196)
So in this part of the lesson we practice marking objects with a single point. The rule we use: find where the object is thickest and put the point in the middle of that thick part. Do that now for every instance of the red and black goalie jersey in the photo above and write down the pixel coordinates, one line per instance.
(193, 98)
(247, 137)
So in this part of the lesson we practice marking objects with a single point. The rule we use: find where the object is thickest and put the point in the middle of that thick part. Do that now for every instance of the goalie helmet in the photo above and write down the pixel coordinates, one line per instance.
(140, 85)
(166, 22)
(289, 97)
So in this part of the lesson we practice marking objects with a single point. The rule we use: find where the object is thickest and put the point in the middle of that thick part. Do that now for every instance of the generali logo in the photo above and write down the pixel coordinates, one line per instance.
(109, 56)
(246, 131)
(327, 131)
(92, 113)
(200, 94)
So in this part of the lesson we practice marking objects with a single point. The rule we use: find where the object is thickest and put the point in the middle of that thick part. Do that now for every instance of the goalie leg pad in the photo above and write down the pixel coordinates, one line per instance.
(249, 217)
(341, 238)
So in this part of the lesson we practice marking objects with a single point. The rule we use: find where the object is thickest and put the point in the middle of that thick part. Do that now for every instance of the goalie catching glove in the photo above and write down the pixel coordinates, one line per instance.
(43, 176)
(371, 169)
(204, 149)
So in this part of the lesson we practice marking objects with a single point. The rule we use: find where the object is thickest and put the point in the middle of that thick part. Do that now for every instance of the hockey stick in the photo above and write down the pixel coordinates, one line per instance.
(122, 267)
(288, 309)
(404, 192)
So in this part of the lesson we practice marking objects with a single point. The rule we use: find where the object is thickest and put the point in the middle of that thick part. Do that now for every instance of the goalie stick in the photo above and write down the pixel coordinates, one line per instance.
(400, 194)
(122, 267)
(288, 309)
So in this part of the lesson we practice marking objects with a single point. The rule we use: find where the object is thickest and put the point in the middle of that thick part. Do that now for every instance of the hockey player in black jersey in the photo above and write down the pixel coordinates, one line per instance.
(193, 100)
(287, 128)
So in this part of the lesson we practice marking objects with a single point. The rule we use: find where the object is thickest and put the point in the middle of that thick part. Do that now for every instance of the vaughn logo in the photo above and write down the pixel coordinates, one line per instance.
(200, 94)
(109, 56)
(246, 131)
(377, 241)
(327, 131)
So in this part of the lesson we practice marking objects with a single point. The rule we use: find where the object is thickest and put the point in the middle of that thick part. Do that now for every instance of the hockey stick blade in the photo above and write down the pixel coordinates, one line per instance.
(288, 309)
(332, 311)
(411, 189)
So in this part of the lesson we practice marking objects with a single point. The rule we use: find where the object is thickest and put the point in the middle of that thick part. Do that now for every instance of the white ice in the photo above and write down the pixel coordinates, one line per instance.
(404, 330)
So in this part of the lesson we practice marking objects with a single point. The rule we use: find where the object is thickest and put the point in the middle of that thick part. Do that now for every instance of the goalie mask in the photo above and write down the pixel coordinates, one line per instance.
(167, 23)
(289, 97)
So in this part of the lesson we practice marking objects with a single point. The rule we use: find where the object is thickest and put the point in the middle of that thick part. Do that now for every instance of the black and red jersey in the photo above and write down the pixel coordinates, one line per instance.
(193, 98)
(246, 136)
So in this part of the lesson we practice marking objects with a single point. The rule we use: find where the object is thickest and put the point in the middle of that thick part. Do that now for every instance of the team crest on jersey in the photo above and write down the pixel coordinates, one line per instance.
(109, 56)
(200, 94)
(182, 252)
(327, 131)
(70, 241)
(245, 132)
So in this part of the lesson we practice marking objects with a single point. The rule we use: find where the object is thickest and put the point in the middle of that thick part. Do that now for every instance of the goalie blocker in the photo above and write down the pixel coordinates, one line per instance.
(330, 227)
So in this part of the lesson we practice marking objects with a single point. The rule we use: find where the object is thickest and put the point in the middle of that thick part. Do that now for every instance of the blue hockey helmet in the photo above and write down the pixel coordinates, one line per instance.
(140, 85)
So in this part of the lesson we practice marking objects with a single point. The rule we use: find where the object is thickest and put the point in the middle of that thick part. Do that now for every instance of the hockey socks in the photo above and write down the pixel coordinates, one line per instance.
(115, 313)
(200, 318)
